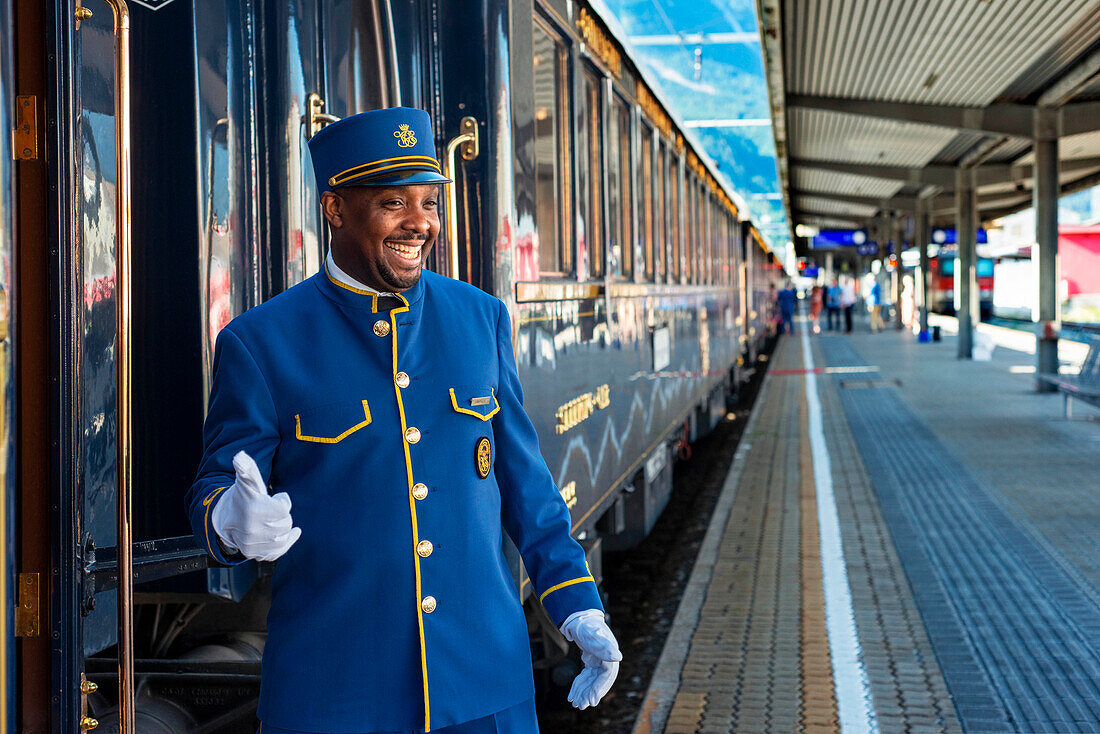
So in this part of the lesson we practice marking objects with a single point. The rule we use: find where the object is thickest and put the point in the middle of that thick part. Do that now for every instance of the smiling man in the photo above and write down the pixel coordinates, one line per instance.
(380, 404)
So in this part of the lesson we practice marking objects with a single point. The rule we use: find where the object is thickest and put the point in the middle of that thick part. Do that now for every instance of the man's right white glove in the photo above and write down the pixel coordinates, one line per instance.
(249, 520)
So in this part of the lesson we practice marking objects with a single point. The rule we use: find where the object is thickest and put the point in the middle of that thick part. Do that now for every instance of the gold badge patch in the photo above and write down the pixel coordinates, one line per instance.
(483, 456)
(406, 138)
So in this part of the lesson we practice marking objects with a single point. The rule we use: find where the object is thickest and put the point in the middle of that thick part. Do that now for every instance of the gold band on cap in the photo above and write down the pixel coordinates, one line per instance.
(368, 169)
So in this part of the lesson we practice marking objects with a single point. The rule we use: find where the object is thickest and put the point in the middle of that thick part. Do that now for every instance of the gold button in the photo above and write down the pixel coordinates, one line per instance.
(424, 548)
(420, 490)
(412, 434)
(381, 328)
(402, 380)
(428, 605)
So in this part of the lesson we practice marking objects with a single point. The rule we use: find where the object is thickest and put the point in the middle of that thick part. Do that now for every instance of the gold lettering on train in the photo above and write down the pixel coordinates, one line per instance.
(581, 408)
(653, 109)
(600, 42)
(569, 494)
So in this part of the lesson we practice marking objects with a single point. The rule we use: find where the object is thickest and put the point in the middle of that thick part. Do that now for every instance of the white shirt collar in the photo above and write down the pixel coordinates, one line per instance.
(341, 277)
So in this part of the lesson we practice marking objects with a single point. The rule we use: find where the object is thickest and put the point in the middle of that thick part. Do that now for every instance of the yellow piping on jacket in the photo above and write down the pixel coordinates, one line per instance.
(412, 513)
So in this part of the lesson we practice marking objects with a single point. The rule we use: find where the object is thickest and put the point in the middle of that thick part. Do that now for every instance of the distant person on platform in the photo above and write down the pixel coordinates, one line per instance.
(874, 304)
(786, 301)
(832, 306)
(848, 301)
(817, 301)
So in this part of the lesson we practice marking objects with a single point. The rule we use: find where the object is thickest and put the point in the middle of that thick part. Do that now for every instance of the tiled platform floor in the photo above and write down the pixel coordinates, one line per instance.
(969, 515)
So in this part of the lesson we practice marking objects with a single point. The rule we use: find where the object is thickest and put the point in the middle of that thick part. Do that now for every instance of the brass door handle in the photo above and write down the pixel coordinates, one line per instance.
(316, 118)
(470, 144)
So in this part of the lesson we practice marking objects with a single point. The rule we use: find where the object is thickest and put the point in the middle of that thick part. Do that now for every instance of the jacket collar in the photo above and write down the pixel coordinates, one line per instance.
(354, 297)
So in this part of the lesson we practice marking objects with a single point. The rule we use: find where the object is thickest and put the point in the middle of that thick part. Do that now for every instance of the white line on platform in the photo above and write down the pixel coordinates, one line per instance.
(853, 693)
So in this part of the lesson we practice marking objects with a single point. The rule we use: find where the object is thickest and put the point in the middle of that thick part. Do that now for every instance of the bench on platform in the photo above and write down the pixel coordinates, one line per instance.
(1085, 385)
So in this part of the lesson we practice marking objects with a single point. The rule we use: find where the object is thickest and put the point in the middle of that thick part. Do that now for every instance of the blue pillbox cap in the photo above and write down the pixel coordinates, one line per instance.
(390, 147)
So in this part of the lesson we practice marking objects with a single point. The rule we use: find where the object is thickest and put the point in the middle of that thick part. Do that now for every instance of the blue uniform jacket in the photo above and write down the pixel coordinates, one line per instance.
(395, 609)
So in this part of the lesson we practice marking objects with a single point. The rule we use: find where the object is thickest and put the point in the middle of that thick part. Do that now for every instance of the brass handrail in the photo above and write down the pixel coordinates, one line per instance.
(124, 367)
(470, 143)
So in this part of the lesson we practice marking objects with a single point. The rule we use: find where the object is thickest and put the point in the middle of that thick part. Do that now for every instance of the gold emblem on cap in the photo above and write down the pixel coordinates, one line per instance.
(484, 457)
(406, 138)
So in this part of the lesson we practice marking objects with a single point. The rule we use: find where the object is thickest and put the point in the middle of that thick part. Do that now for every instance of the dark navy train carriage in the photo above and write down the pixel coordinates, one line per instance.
(636, 287)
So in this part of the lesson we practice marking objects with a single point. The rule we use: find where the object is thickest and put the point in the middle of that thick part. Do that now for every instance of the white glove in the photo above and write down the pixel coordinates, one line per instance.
(599, 652)
(249, 520)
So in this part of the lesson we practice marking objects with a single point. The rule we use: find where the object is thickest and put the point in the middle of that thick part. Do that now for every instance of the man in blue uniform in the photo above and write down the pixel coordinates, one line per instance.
(381, 404)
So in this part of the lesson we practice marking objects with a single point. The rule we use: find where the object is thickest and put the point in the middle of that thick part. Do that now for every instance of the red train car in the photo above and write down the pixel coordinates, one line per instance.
(941, 282)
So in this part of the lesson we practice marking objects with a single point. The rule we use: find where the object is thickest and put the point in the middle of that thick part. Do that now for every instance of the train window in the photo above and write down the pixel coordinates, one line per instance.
(660, 214)
(619, 214)
(594, 139)
(689, 227)
(701, 234)
(551, 150)
(645, 197)
(674, 264)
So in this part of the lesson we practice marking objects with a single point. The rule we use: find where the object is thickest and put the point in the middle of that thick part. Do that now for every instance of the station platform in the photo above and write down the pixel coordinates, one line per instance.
(905, 542)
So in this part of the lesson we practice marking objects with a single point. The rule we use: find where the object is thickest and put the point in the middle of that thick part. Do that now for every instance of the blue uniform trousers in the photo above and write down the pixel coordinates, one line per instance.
(519, 719)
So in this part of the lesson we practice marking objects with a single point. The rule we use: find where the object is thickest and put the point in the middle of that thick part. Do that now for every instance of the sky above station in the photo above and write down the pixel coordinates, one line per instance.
(706, 57)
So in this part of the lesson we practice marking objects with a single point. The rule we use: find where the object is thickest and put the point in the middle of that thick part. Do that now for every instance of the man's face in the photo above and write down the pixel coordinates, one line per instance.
(382, 234)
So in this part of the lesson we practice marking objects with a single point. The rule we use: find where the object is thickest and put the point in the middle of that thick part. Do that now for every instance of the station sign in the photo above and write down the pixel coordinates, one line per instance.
(946, 236)
(811, 272)
(832, 239)
(867, 248)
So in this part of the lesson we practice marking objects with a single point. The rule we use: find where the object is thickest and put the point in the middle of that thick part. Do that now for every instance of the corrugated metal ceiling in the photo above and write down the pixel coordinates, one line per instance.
(956, 52)
(822, 135)
(944, 53)
(830, 206)
(813, 179)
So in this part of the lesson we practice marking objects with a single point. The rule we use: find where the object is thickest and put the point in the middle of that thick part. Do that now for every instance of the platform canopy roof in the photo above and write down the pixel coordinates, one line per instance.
(878, 102)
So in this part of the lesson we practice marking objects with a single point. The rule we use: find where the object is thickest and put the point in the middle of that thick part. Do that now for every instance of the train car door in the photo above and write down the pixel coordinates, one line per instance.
(7, 405)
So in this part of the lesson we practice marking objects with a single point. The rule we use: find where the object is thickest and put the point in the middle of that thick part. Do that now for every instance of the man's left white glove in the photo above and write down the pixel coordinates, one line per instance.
(599, 652)
(249, 520)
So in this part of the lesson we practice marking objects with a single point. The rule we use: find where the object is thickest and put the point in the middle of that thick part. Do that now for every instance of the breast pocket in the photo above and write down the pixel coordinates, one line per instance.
(331, 423)
(479, 402)
(475, 408)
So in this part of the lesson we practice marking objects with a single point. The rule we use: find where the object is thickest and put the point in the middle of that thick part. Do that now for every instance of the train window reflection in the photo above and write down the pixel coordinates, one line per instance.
(674, 219)
(689, 227)
(660, 214)
(551, 183)
(594, 135)
(614, 196)
(645, 198)
(622, 123)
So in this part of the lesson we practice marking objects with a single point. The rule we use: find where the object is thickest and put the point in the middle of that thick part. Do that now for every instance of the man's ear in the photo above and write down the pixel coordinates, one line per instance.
(333, 207)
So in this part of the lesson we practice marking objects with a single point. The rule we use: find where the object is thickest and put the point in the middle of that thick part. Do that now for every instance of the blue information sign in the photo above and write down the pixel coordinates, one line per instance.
(868, 248)
(831, 239)
(950, 236)
(810, 272)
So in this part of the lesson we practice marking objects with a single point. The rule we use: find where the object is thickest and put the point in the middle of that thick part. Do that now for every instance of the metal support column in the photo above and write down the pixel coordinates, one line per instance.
(899, 272)
(965, 280)
(921, 238)
(1045, 201)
